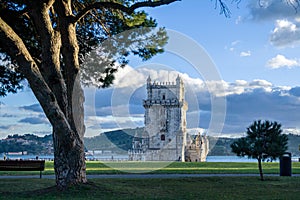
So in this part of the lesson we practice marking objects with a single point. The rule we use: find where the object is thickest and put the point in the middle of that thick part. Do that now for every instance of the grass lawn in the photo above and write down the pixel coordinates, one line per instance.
(96, 167)
(184, 188)
(175, 188)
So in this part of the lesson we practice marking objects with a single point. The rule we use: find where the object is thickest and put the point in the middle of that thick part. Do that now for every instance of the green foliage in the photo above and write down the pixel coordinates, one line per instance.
(100, 64)
(10, 81)
(98, 26)
(264, 141)
(219, 146)
(121, 140)
(11, 12)
(117, 141)
(30, 143)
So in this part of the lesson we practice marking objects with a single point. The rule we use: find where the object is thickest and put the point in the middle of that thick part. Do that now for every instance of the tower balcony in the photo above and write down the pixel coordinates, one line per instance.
(167, 102)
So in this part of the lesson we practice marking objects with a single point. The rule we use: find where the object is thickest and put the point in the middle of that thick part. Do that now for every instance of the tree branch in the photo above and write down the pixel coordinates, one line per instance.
(70, 51)
(50, 41)
(294, 3)
(17, 50)
(118, 6)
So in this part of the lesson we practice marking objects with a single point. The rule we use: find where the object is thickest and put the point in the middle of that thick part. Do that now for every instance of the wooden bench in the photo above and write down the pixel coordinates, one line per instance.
(22, 165)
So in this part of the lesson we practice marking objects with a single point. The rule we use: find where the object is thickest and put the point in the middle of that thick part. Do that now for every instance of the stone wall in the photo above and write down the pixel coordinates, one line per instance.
(165, 124)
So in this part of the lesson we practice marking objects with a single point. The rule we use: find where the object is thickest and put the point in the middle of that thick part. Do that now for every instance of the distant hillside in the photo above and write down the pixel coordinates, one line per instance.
(222, 145)
(293, 143)
(120, 140)
(116, 141)
(29, 143)
(219, 146)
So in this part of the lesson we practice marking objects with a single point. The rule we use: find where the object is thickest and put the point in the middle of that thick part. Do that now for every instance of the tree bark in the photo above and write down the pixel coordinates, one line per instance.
(69, 162)
(56, 84)
(69, 159)
(50, 41)
(260, 169)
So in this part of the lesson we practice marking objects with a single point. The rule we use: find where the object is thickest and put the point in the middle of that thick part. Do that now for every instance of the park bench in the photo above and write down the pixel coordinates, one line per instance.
(22, 165)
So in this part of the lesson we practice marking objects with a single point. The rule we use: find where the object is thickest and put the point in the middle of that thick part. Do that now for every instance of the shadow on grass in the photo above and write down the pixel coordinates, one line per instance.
(20, 189)
(175, 188)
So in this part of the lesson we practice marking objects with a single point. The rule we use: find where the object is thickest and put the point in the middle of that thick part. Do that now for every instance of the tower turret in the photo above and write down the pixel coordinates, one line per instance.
(165, 119)
(148, 81)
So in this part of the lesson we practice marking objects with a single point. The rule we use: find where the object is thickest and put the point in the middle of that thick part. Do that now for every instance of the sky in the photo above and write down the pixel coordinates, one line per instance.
(236, 70)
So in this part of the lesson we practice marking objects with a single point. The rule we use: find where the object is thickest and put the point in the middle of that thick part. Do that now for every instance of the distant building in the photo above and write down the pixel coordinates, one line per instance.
(164, 137)
(196, 149)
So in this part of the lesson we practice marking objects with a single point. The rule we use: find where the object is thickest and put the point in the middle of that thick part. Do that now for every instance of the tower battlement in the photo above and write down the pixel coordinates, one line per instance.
(165, 92)
(159, 84)
(164, 136)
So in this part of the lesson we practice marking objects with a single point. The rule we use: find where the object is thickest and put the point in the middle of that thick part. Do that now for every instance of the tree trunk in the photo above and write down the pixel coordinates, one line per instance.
(56, 84)
(260, 169)
(69, 160)
(69, 155)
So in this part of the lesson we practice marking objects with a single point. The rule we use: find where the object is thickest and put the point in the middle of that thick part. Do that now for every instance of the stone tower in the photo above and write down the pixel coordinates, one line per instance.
(165, 120)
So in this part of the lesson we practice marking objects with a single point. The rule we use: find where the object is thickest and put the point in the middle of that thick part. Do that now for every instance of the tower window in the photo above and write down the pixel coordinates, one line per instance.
(163, 96)
(162, 137)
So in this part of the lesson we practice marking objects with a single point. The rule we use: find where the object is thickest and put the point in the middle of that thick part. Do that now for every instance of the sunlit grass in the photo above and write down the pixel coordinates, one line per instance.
(97, 167)
(176, 188)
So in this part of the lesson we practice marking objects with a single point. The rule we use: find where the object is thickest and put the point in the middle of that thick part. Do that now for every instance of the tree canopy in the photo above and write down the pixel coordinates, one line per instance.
(264, 141)
(46, 42)
(95, 22)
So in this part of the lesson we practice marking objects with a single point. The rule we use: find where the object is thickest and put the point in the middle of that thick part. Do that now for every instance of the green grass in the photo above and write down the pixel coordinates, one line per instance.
(183, 188)
(187, 167)
(95, 167)
(175, 188)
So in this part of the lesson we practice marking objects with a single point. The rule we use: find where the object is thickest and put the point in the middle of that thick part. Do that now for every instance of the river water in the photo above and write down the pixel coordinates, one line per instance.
(116, 157)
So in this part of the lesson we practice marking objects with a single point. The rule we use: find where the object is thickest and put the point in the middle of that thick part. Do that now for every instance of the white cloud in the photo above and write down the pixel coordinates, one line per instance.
(260, 83)
(241, 82)
(217, 88)
(238, 20)
(281, 61)
(232, 46)
(134, 78)
(99, 124)
(236, 48)
(21, 120)
(284, 24)
(236, 42)
(246, 101)
(285, 33)
(245, 53)
(293, 130)
(128, 77)
(272, 9)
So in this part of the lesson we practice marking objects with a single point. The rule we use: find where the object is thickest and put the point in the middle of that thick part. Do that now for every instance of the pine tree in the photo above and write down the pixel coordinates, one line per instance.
(264, 141)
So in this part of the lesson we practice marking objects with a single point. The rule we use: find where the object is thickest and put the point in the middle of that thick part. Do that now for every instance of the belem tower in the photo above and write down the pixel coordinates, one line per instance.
(165, 135)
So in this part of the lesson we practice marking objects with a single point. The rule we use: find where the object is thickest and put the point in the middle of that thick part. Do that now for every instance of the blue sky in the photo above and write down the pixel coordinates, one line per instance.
(241, 45)
(255, 51)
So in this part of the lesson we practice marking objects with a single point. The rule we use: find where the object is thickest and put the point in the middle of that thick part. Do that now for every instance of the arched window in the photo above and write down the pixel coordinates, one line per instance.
(162, 137)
